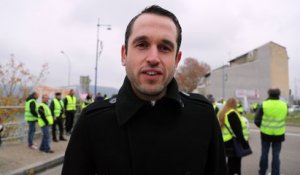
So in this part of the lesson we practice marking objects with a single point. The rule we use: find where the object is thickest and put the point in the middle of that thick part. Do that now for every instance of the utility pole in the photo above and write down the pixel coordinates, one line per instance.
(99, 48)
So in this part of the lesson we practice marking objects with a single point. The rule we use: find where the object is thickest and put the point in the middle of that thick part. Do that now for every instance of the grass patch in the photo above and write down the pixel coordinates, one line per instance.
(292, 119)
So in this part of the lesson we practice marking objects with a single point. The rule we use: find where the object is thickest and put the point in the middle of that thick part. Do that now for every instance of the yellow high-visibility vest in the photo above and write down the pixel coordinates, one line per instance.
(86, 103)
(226, 134)
(71, 106)
(273, 119)
(48, 115)
(29, 117)
(58, 107)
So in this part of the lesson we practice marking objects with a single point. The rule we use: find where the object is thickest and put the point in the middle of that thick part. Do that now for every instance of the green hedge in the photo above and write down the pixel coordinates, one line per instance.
(293, 118)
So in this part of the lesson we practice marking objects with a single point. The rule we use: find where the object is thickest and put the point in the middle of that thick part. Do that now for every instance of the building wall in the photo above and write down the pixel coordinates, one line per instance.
(279, 69)
(258, 73)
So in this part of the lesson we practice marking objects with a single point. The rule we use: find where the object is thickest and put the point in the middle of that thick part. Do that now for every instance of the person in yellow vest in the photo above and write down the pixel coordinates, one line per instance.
(45, 120)
(270, 118)
(240, 107)
(254, 106)
(31, 117)
(57, 110)
(230, 119)
(70, 109)
(88, 100)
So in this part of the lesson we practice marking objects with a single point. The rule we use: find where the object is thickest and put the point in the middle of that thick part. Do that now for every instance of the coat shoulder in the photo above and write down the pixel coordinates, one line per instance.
(99, 107)
(193, 97)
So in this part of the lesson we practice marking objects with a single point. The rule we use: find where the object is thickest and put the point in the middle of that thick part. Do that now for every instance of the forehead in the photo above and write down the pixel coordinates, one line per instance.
(152, 25)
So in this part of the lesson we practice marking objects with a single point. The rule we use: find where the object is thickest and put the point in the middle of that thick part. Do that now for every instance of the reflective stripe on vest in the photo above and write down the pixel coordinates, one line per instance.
(71, 103)
(274, 115)
(28, 115)
(47, 114)
(58, 106)
(226, 134)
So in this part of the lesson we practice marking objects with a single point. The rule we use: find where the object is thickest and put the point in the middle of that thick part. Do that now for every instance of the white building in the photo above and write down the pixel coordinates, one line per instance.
(252, 74)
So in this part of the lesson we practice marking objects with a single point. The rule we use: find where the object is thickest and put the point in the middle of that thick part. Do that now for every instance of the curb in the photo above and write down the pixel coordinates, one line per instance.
(39, 167)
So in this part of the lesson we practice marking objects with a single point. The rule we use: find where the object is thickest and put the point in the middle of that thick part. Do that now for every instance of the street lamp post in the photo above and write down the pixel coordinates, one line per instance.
(99, 48)
(69, 66)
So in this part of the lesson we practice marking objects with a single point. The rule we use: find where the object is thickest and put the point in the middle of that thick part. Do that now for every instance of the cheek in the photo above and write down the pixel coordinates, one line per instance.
(170, 65)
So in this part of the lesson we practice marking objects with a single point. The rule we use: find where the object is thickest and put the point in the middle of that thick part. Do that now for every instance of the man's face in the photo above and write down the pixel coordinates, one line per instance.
(151, 58)
(36, 96)
(45, 98)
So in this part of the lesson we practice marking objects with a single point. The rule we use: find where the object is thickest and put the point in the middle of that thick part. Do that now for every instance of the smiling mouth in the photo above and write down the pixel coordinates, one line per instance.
(152, 73)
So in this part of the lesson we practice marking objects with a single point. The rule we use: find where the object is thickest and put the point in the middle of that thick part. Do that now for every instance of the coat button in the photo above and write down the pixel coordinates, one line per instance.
(113, 100)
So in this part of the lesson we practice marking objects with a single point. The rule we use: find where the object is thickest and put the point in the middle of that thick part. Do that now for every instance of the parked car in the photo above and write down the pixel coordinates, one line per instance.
(294, 108)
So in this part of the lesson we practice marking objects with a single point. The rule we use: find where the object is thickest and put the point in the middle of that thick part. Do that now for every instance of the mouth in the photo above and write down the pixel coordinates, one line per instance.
(152, 72)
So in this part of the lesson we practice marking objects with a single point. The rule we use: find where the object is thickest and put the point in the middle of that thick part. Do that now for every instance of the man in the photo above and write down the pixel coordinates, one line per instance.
(31, 117)
(211, 98)
(149, 127)
(98, 97)
(57, 109)
(70, 109)
(270, 118)
(45, 120)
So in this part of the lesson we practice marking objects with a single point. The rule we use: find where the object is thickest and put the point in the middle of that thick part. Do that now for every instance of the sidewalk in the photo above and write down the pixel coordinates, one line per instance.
(17, 158)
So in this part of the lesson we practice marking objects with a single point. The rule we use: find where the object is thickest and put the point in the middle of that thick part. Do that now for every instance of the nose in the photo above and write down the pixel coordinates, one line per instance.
(153, 56)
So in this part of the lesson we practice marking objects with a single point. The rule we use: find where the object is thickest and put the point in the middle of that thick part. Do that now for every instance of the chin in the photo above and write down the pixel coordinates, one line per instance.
(153, 91)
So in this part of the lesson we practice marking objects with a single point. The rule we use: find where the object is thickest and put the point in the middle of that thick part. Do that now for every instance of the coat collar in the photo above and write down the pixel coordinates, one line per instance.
(128, 103)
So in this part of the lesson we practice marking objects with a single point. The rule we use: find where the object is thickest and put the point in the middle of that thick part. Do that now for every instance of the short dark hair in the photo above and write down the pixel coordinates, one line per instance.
(157, 10)
(274, 92)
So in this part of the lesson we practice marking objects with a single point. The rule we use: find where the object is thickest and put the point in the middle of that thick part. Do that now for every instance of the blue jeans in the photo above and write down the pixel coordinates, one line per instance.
(263, 164)
(31, 131)
(45, 144)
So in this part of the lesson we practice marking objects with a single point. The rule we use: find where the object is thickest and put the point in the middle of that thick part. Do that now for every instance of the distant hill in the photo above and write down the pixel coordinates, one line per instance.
(109, 91)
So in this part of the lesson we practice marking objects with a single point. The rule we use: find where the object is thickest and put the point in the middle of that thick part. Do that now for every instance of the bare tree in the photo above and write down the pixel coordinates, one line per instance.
(16, 82)
(191, 74)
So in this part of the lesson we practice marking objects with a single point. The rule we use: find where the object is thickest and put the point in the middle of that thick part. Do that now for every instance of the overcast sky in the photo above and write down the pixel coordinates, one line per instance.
(213, 32)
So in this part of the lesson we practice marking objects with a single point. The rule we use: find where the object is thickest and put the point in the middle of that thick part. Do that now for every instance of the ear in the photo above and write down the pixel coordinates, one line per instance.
(123, 55)
(178, 58)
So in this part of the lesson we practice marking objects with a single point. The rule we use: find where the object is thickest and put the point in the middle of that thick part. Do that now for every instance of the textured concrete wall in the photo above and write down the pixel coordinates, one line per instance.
(259, 73)
(279, 69)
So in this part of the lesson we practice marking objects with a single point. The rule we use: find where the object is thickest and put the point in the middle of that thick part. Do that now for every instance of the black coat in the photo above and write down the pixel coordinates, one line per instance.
(179, 134)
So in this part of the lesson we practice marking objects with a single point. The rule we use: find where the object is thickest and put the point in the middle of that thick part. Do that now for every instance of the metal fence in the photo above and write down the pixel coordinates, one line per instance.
(15, 127)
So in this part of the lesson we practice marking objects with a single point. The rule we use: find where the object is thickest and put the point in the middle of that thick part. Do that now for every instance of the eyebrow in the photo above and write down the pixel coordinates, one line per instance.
(139, 38)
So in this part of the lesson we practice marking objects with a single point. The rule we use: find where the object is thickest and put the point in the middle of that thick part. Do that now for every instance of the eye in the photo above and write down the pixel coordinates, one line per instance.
(164, 48)
(142, 45)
